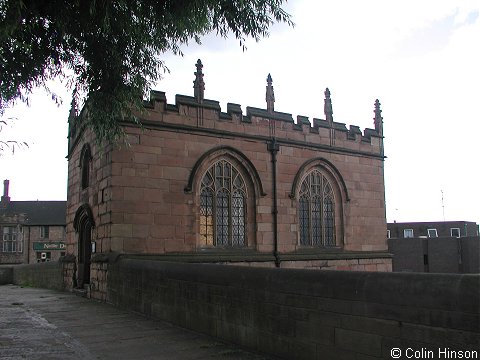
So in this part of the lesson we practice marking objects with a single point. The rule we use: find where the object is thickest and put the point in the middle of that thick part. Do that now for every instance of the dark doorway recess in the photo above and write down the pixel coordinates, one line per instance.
(83, 225)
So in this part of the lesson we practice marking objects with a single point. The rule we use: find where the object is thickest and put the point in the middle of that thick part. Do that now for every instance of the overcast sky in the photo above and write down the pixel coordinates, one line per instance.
(419, 58)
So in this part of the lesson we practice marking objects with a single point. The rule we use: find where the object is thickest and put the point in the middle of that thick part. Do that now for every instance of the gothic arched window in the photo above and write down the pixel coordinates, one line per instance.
(223, 206)
(316, 211)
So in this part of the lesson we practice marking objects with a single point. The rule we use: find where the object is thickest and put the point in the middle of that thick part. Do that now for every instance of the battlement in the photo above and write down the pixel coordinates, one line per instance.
(201, 113)
(197, 114)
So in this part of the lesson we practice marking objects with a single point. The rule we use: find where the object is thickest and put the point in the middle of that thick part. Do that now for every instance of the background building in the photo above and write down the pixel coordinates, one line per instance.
(432, 229)
(440, 247)
(32, 231)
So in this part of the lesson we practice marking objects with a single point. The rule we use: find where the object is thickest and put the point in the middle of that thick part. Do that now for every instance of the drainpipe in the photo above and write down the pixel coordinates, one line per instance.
(273, 147)
(27, 243)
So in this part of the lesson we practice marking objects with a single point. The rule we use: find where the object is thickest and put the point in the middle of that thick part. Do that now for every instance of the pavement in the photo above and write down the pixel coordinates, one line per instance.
(46, 324)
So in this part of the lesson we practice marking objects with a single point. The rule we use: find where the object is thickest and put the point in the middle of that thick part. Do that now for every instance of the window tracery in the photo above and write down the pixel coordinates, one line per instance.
(223, 196)
(316, 211)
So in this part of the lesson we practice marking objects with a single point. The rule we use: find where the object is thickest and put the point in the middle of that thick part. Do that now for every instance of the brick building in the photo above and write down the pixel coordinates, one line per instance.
(444, 254)
(201, 185)
(32, 231)
(432, 229)
(437, 246)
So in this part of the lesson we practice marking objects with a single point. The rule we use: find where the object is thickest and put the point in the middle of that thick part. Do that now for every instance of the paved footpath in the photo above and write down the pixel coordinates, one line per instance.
(45, 324)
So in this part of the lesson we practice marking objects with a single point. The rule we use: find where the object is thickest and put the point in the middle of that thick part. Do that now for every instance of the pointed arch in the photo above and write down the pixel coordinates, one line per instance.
(322, 163)
(83, 223)
(85, 154)
(321, 193)
(229, 152)
(83, 215)
(226, 187)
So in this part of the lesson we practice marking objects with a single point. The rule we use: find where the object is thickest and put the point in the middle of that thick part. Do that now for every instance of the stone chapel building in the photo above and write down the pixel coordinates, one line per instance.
(201, 185)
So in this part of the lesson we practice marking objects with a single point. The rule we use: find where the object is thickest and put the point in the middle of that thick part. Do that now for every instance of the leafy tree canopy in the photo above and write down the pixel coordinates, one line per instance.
(109, 51)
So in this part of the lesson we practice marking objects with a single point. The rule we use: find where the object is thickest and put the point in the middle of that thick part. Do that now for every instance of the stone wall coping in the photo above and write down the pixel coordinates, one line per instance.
(245, 255)
(208, 256)
(333, 254)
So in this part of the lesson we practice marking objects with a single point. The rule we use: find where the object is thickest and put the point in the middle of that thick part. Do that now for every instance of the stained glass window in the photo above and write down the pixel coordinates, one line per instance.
(304, 220)
(206, 216)
(223, 206)
(316, 210)
(238, 219)
(222, 217)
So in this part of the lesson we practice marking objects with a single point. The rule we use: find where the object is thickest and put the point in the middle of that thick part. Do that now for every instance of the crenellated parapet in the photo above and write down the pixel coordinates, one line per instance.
(201, 113)
(196, 113)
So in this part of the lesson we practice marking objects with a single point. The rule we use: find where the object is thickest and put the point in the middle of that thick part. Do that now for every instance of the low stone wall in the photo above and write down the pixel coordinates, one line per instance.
(6, 274)
(98, 280)
(48, 275)
(305, 314)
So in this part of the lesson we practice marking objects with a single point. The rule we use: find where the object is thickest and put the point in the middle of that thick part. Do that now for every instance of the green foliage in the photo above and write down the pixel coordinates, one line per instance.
(109, 51)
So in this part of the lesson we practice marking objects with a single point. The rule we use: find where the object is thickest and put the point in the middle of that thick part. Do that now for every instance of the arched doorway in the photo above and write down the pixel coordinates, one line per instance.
(83, 225)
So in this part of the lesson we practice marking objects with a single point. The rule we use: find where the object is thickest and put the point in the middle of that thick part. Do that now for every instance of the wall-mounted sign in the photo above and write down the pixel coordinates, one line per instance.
(49, 246)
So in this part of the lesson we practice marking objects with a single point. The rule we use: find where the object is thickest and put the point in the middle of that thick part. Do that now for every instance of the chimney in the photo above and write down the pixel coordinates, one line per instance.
(5, 198)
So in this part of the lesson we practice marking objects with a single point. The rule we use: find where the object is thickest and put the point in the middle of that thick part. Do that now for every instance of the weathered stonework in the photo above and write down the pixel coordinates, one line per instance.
(374, 264)
(98, 280)
(69, 272)
(145, 199)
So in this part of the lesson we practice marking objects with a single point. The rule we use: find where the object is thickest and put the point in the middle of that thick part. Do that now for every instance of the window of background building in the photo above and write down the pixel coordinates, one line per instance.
(12, 242)
(432, 233)
(44, 232)
(408, 233)
(455, 232)
(316, 211)
(388, 234)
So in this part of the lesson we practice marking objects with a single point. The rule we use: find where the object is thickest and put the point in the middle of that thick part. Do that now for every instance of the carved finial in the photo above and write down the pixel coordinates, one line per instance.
(198, 83)
(378, 120)
(270, 96)
(328, 107)
(73, 108)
